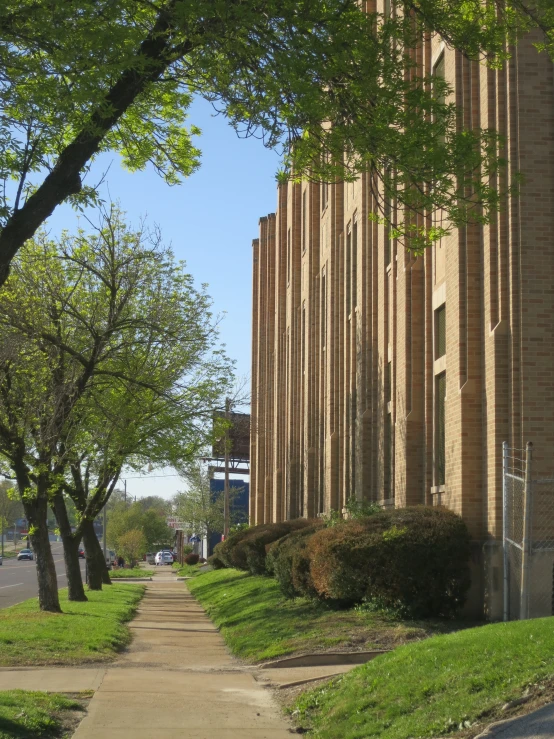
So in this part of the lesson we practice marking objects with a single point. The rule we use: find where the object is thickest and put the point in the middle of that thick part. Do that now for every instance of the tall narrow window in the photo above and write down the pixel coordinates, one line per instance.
(355, 264)
(288, 256)
(303, 358)
(440, 431)
(440, 332)
(304, 221)
(348, 269)
(438, 87)
(387, 215)
(323, 311)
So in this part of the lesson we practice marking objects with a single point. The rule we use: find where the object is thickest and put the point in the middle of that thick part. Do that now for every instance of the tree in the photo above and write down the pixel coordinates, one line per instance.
(10, 508)
(132, 545)
(79, 78)
(108, 356)
(202, 511)
(150, 522)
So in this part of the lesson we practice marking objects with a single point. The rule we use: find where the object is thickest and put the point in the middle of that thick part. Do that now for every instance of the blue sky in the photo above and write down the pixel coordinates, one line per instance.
(210, 221)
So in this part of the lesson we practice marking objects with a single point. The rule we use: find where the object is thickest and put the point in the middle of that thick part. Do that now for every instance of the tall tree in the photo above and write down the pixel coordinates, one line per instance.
(150, 522)
(81, 77)
(108, 356)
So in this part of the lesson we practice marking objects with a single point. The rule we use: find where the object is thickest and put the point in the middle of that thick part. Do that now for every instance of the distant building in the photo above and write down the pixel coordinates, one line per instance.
(240, 501)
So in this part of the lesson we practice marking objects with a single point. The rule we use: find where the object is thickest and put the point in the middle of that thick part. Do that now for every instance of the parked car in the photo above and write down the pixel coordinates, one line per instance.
(81, 553)
(110, 558)
(164, 558)
(150, 558)
(25, 554)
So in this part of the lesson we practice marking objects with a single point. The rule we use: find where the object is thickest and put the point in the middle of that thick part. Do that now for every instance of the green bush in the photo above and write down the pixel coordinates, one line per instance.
(187, 549)
(288, 562)
(246, 550)
(412, 559)
(191, 559)
(216, 562)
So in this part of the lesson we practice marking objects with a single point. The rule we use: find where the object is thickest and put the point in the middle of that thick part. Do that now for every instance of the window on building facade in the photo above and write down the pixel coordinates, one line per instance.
(288, 256)
(440, 332)
(440, 428)
(303, 346)
(355, 264)
(324, 195)
(304, 221)
(439, 73)
(323, 311)
(386, 226)
(348, 269)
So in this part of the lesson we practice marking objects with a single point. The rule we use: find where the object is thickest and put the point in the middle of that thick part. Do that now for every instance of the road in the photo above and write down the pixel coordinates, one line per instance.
(18, 580)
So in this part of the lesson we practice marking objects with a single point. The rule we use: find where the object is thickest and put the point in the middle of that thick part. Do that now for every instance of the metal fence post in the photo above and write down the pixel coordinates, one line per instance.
(505, 528)
(527, 525)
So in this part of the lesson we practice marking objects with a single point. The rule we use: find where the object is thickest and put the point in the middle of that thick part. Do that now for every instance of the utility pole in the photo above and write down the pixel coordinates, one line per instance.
(226, 511)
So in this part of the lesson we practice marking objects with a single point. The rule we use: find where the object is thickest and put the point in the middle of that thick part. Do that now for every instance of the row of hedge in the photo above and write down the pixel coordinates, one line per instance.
(413, 559)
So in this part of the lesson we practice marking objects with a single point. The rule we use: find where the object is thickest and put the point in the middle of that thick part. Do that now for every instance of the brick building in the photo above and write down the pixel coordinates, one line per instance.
(395, 378)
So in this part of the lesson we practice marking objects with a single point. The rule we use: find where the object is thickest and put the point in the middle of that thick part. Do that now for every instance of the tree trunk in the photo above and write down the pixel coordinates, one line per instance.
(36, 513)
(75, 589)
(96, 564)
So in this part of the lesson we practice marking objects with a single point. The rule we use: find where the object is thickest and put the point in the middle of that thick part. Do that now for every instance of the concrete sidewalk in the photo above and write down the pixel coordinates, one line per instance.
(178, 677)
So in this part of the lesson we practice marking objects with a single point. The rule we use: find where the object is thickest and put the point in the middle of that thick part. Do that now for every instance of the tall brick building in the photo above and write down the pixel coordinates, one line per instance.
(395, 378)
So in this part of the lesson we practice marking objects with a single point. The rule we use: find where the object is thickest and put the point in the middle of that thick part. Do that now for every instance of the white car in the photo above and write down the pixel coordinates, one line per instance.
(164, 558)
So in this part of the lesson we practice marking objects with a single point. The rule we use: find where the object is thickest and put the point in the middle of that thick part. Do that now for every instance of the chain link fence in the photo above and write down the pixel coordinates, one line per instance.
(528, 517)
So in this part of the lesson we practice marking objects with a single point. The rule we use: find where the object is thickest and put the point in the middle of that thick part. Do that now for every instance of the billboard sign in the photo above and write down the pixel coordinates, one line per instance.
(238, 435)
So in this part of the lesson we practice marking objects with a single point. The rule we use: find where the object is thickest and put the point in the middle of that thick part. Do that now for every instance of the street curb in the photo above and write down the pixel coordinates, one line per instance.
(131, 579)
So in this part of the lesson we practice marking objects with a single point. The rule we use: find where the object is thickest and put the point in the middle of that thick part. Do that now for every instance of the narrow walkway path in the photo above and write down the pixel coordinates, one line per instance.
(178, 679)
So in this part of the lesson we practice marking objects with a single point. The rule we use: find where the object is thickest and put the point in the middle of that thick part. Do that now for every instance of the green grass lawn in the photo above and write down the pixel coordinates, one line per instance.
(435, 687)
(84, 632)
(131, 572)
(25, 714)
(258, 623)
(187, 570)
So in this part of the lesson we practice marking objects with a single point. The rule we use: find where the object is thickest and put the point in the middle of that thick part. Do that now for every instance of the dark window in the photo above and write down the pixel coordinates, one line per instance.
(438, 73)
(303, 360)
(323, 311)
(288, 256)
(304, 221)
(348, 269)
(440, 434)
(387, 457)
(388, 383)
(355, 264)
(440, 332)
(387, 215)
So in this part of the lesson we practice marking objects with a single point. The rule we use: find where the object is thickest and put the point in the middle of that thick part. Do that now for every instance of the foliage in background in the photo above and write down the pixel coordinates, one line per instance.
(151, 523)
(132, 545)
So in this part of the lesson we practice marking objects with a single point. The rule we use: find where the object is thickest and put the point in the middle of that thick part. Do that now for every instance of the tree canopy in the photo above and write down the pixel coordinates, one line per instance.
(78, 77)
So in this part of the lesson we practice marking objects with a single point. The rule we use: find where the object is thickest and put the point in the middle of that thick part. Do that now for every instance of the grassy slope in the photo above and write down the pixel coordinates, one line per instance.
(187, 570)
(27, 714)
(258, 623)
(131, 572)
(433, 687)
(84, 632)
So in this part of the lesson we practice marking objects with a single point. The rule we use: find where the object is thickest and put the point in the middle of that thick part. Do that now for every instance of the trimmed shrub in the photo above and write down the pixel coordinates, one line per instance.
(187, 549)
(216, 562)
(246, 550)
(412, 559)
(288, 562)
(191, 559)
